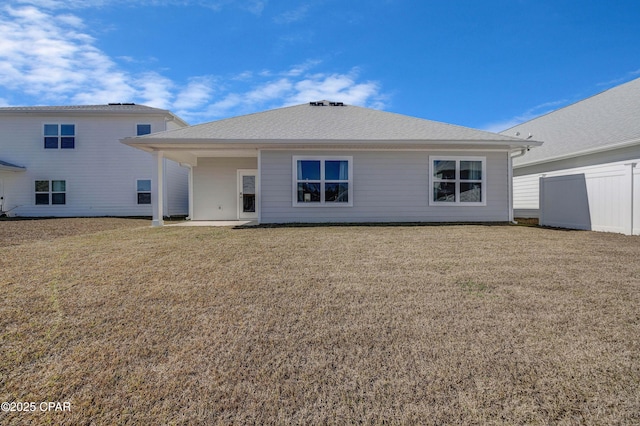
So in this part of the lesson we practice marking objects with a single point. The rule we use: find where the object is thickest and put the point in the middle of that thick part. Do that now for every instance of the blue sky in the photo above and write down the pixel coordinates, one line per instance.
(485, 64)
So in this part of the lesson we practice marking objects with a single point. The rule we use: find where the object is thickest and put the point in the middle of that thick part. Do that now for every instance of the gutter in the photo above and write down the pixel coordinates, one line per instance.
(589, 151)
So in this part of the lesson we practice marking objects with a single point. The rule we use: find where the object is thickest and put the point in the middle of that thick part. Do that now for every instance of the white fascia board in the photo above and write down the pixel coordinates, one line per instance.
(589, 151)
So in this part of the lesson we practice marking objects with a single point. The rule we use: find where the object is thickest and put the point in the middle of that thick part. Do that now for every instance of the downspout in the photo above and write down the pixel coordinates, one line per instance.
(523, 151)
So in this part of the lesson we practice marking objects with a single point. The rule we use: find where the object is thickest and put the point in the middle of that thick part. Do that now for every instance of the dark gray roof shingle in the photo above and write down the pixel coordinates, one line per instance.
(606, 119)
(337, 123)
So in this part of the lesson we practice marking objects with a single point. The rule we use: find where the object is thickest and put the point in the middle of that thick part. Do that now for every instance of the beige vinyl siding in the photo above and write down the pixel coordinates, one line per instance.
(215, 195)
(100, 173)
(388, 186)
(177, 178)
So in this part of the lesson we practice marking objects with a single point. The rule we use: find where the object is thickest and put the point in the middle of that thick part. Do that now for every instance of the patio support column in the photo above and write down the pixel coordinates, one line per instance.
(157, 184)
(190, 192)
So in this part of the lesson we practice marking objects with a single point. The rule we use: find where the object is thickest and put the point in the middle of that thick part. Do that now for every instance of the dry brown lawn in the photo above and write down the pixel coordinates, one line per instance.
(319, 325)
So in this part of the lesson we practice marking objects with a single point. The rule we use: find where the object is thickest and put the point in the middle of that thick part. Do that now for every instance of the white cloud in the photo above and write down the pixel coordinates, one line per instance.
(197, 93)
(336, 87)
(530, 114)
(51, 58)
(291, 16)
(616, 81)
(252, 6)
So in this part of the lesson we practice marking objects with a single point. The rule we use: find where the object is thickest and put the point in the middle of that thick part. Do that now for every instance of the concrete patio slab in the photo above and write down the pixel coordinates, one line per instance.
(214, 223)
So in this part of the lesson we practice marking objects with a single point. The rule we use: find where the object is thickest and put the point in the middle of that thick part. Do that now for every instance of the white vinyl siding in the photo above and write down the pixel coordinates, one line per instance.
(215, 183)
(100, 172)
(388, 186)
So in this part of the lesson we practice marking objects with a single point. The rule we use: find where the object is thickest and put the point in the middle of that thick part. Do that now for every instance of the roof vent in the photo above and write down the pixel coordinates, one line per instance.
(316, 103)
(336, 103)
(118, 103)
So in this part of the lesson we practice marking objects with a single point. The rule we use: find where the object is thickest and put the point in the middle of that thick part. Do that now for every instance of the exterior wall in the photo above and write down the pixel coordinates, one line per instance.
(526, 196)
(100, 172)
(215, 180)
(177, 189)
(526, 179)
(599, 198)
(388, 186)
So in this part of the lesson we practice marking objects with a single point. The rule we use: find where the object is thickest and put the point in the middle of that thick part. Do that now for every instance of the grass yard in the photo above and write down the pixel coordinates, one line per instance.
(330, 325)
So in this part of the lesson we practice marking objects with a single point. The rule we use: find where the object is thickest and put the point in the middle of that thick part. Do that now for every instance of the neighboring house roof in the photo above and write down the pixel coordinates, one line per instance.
(311, 122)
(116, 109)
(608, 120)
(4, 166)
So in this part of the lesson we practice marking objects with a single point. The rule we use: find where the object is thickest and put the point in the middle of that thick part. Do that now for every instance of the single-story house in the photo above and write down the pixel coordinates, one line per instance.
(586, 175)
(330, 162)
(65, 161)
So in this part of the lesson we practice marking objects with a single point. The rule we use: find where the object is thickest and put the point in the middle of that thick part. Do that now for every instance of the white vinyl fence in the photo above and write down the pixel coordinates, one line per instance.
(600, 198)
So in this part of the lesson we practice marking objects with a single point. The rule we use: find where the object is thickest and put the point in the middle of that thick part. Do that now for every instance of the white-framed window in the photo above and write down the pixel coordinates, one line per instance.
(143, 129)
(51, 192)
(457, 181)
(143, 190)
(59, 136)
(322, 181)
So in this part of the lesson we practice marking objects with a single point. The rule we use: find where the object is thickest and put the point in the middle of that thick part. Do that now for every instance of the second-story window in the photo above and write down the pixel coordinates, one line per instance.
(143, 129)
(59, 136)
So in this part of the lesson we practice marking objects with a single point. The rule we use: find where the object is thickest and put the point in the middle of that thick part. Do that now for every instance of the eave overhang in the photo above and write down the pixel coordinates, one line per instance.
(8, 167)
(163, 144)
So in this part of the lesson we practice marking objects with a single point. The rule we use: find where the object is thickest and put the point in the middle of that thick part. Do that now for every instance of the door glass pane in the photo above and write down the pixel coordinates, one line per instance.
(308, 170)
(336, 170)
(248, 203)
(248, 184)
(471, 170)
(444, 169)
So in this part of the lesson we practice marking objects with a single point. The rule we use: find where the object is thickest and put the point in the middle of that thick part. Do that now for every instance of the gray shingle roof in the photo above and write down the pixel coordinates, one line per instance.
(86, 108)
(608, 118)
(331, 123)
(115, 109)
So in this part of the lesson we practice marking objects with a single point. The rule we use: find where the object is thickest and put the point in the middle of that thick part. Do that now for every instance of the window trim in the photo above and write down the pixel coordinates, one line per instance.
(59, 135)
(322, 181)
(457, 180)
(50, 192)
(138, 203)
(143, 124)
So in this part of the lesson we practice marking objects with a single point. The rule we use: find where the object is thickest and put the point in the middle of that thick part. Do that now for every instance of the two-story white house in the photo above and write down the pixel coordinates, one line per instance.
(65, 161)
